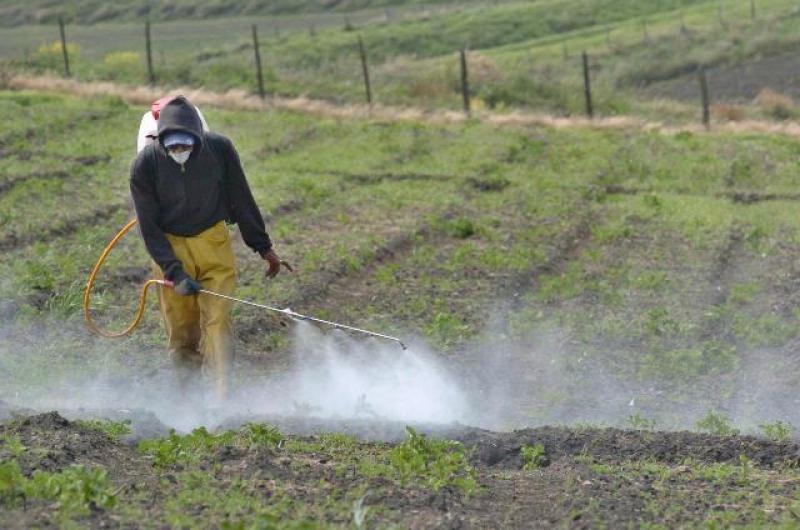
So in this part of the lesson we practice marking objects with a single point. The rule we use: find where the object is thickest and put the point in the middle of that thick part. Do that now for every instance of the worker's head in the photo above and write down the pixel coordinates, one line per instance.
(179, 128)
(179, 145)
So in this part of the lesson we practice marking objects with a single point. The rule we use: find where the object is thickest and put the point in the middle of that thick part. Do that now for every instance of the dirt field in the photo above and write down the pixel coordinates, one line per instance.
(740, 83)
(589, 477)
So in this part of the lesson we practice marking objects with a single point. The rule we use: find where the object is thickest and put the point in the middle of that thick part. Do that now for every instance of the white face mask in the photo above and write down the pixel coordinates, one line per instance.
(180, 158)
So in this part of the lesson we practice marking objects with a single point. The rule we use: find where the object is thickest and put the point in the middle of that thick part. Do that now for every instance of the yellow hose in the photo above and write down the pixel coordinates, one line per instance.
(87, 294)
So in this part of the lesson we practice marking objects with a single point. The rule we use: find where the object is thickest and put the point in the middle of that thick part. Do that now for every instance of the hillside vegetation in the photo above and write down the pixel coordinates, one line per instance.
(525, 54)
(87, 12)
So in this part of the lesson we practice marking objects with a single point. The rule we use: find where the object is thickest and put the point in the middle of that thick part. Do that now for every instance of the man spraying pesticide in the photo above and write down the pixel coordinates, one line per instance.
(187, 183)
(185, 186)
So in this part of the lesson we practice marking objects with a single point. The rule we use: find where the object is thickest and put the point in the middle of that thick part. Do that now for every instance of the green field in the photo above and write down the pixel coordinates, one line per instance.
(603, 316)
(657, 265)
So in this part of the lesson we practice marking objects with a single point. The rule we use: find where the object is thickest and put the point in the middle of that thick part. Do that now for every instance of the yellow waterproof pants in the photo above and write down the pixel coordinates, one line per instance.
(199, 327)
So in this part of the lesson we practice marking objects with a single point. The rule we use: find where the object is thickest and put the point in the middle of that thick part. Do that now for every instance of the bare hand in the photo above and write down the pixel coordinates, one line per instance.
(275, 263)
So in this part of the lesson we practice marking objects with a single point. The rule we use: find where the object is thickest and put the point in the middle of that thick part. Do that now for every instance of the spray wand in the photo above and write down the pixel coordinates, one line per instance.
(143, 298)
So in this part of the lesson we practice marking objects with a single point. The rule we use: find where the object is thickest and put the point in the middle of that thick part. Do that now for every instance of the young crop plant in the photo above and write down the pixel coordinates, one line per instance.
(533, 456)
(11, 444)
(436, 463)
(115, 429)
(717, 424)
(778, 431)
(638, 422)
(77, 489)
(177, 450)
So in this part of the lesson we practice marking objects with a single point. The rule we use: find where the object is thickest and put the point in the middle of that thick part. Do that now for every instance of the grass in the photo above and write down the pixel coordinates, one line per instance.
(514, 65)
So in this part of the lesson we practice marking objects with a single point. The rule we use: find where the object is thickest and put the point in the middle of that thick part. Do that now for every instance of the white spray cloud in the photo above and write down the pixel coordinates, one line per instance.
(337, 376)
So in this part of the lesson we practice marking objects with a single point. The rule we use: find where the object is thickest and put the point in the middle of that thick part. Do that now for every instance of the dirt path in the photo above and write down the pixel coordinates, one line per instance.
(241, 100)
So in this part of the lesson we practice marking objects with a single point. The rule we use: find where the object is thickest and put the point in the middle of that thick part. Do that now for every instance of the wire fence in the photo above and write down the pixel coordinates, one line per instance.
(588, 62)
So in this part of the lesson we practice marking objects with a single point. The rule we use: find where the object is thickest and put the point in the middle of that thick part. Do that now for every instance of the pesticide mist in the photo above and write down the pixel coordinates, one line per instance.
(332, 376)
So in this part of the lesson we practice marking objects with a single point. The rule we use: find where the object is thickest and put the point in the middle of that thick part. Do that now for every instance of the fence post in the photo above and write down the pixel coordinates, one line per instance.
(465, 81)
(259, 73)
(151, 75)
(684, 30)
(705, 98)
(64, 46)
(752, 9)
(362, 52)
(587, 86)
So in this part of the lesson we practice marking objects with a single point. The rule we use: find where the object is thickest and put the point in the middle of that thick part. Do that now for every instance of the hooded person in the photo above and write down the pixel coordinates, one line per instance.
(148, 125)
(186, 187)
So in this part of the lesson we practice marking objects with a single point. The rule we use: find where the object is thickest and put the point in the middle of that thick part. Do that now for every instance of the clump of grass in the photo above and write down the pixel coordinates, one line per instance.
(436, 463)
(728, 112)
(489, 183)
(777, 105)
(777, 431)
(717, 424)
(533, 456)
(462, 228)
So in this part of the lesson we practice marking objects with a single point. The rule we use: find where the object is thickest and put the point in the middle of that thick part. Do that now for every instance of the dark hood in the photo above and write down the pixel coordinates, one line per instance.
(180, 115)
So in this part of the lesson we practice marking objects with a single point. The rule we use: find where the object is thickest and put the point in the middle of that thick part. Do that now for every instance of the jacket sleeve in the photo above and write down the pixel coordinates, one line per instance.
(245, 211)
(145, 202)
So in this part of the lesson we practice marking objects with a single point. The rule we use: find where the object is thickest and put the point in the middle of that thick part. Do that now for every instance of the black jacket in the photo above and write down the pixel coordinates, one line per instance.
(185, 200)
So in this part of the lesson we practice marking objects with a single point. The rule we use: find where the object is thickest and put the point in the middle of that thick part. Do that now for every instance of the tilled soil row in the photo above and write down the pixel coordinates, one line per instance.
(73, 443)
(742, 197)
(67, 228)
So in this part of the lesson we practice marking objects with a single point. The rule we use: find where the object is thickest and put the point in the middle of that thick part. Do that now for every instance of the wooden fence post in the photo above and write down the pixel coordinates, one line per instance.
(465, 82)
(587, 86)
(705, 98)
(259, 72)
(64, 46)
(151, 75)
(362, 52)
(752, 9)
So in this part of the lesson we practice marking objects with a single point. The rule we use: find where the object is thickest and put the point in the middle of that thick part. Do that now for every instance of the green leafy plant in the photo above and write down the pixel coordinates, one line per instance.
(717, 424)
(12, 444)
(640, 423)
(77, 489)
(190, 448)
(778, 431)
(533, 456)
(12, 483)
(115, 429)
(436, 463)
